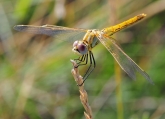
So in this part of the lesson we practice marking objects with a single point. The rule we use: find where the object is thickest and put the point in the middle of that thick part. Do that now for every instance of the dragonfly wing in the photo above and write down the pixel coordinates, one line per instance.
(125, 62)
(58, 32)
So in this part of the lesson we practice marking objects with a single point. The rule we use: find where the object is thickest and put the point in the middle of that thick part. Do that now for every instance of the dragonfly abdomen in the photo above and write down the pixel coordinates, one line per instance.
(113, 29)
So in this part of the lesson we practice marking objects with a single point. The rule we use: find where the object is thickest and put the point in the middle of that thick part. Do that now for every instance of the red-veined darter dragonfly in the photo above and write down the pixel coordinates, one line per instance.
(90, 40)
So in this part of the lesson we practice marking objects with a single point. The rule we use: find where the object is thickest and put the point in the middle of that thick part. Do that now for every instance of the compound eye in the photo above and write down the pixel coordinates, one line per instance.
(75, 43)
(82, 48)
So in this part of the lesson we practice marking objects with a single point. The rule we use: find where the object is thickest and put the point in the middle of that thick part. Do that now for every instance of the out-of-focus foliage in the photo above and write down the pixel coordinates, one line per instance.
(35, 78)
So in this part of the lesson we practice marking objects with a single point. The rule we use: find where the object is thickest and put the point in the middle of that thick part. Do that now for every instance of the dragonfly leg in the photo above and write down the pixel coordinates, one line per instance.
(81, 60)
(91, 67)
(85, 59)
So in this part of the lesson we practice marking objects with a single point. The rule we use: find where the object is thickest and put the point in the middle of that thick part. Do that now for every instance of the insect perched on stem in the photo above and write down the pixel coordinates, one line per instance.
(91, 38)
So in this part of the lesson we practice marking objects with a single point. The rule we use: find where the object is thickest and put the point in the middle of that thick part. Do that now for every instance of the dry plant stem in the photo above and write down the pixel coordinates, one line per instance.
(83, 93)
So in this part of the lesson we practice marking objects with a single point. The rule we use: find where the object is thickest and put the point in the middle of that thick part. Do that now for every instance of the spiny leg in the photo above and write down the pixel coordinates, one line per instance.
(82, 59)
(85, 59)
(91, 67)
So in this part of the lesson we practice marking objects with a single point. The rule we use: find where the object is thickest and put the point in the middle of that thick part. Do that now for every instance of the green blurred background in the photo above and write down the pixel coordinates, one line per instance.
(35, 70)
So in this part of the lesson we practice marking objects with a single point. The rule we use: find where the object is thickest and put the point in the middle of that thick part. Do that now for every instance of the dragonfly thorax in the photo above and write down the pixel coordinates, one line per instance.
(80, 47)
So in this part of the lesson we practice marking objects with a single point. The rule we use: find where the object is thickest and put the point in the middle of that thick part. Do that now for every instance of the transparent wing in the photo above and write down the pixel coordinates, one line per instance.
(125, 62)
(58, 32)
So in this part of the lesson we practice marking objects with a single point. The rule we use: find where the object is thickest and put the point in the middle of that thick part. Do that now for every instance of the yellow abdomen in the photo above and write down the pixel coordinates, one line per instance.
(113, 29)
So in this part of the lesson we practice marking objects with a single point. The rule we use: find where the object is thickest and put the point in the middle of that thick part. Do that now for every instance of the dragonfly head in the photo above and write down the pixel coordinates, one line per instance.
(80, 48)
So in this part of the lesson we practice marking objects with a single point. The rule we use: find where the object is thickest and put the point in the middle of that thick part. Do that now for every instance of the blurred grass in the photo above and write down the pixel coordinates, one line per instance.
(35, 78)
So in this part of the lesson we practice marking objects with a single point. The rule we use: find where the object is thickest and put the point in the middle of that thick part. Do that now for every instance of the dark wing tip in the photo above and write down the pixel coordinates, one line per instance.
(151, 82)
(20, 27)
(147, 77)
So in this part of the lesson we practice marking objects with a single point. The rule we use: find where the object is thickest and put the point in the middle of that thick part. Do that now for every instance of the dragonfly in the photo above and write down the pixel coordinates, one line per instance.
(90, 39)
